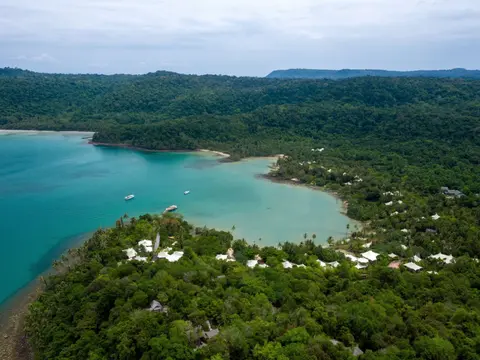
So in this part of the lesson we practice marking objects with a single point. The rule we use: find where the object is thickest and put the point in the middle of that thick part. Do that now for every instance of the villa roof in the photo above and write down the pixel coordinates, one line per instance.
(131, 253)
(145, 243)
(412, 266)
(394, 265)
(171, 258)
(370, 255)
(447, 259)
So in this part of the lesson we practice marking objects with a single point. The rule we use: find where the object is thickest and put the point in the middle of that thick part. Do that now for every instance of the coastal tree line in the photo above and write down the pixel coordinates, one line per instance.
(386, 146)
(98, 308)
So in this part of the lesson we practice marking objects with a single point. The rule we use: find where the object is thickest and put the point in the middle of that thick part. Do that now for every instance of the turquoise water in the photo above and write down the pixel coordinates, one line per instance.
(55, 188)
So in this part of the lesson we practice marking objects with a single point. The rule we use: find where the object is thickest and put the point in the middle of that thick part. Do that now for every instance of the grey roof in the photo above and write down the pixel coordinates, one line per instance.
(156, 306)
(211, 333)
(449, 192)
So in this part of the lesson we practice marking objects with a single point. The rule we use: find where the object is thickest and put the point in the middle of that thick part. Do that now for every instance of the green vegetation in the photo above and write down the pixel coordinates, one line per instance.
(350, 73)
(96, 307)
(389, 146)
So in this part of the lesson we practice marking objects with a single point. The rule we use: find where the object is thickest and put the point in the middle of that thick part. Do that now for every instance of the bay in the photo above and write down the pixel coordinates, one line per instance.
(55, 188)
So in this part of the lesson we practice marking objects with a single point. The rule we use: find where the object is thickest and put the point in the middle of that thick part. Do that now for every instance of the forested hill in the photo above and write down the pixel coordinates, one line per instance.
(350, 73)
(404, 155)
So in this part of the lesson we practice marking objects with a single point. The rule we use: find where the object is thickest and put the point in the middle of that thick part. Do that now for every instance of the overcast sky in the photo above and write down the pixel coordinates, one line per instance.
(238, 37)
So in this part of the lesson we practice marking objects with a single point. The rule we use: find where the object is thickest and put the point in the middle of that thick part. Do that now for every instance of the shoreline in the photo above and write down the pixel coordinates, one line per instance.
(137, 148)
(6, 132)
(13, 340)
(344, 205)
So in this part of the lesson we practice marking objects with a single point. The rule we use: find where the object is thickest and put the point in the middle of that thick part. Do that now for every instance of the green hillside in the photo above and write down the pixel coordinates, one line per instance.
(351, 73)
(388, 146)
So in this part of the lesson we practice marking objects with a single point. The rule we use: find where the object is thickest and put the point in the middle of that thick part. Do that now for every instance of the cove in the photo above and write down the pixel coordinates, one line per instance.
(55, 188)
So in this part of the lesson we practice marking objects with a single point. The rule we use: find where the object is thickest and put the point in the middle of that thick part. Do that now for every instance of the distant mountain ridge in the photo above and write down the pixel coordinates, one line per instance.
(351, 73)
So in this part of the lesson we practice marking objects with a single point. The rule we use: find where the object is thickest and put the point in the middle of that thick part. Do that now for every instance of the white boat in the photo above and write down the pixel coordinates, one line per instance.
(129, 197)
(186, 192)
(171, 208)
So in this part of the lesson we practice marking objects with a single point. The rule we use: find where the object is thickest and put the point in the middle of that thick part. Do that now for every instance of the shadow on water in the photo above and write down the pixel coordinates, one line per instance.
(55, 252)
(42, 267)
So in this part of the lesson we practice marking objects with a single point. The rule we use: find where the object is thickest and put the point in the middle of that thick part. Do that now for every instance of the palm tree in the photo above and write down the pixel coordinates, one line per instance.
(233, 228)
(305, 236)
(348, 227)
(314, 236)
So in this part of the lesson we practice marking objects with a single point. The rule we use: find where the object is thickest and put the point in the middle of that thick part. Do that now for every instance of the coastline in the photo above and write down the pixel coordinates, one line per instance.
(137, 148)
(13, 340)
(6, 132)
(275, 179)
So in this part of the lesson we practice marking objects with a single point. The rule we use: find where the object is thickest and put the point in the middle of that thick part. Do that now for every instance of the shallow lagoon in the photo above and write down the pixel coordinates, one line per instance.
(54, 188)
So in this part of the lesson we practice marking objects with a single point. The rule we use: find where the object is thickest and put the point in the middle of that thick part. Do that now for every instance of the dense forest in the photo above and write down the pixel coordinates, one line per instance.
(101, 305)
(350, 73)
(403, 153)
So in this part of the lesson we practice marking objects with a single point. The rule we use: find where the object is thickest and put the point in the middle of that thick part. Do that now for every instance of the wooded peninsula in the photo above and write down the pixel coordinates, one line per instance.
(404, 155)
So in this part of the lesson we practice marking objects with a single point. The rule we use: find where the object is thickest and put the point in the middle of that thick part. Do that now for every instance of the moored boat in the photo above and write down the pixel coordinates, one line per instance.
(186, 192)
(129, 197)
(171, 208)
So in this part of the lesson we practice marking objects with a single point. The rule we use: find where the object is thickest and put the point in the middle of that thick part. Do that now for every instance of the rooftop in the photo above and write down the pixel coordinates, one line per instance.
(370, 255)
(412, 266)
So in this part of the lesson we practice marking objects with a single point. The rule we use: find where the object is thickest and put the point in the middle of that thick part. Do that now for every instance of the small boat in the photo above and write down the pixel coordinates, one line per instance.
(186, 192)
(171, 208)
(129, 197)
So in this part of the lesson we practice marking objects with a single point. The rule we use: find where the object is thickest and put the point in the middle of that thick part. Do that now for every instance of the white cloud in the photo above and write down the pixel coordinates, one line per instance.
(180, 31)
(44, 57)
(153, 21)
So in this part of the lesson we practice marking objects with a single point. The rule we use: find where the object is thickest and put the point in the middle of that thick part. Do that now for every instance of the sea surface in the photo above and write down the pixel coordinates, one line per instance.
(55, 189)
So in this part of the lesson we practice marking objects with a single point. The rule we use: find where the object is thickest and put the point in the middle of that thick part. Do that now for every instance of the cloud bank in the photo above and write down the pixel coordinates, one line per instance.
(244, 37)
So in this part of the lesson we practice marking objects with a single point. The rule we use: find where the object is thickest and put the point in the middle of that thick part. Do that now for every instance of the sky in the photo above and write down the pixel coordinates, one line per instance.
(237, 37)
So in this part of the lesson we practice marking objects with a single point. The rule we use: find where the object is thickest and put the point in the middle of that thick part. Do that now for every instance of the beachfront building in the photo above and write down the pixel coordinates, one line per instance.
(147, 245)
(447, 259)
(412, 267)
(164, 254)
(395, 265)
(131, 253)
(370, 255)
